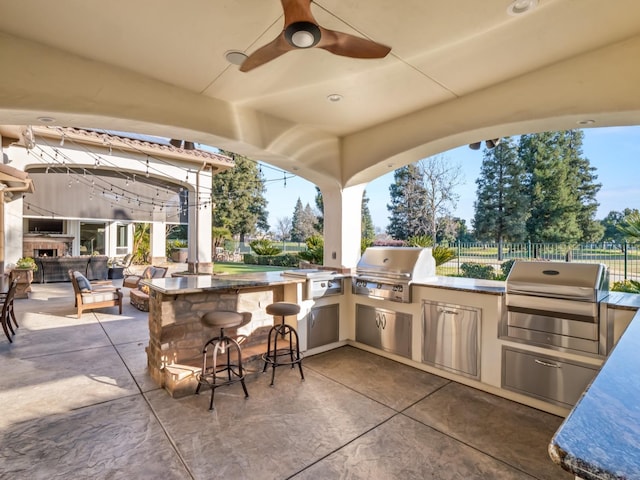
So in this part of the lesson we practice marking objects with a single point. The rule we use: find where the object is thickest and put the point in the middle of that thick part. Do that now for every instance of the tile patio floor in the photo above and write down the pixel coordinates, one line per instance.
(76, 403)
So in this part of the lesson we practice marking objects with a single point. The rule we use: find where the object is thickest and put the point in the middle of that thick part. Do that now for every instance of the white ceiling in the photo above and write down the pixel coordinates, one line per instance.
(459, 71)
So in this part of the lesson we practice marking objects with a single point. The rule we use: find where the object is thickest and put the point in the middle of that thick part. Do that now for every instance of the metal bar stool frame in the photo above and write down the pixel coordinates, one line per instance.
(277, 357)
(210, 376)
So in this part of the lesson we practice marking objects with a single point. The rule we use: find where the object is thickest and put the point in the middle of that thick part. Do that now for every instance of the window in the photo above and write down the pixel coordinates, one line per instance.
(122, 239)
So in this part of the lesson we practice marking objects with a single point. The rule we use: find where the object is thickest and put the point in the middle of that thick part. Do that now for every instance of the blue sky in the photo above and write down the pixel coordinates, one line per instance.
(614, 151)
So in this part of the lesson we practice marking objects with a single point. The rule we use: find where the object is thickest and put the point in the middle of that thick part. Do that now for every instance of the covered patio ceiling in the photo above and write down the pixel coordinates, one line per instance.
(458, 72)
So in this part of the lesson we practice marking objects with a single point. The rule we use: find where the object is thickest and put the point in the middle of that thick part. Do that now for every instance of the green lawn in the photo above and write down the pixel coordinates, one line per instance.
(231, 268)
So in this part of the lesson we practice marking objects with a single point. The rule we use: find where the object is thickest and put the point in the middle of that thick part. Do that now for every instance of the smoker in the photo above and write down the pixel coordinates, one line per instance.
(388, 272)
(557, 305)
(319, 283)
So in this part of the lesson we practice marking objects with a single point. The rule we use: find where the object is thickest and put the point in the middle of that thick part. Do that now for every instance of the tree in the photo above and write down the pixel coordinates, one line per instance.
(440, 180)
(584, 185)
(561, 188)
(239, 199)
(613, 221)
(303, 222)
(407, 195)
(553, 211)
(320, 207)
(283, 228)
(422, 193)
(501, 206)
(367, 231)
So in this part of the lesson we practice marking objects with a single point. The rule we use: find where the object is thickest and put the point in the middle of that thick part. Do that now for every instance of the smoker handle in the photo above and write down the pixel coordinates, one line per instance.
(546, 364)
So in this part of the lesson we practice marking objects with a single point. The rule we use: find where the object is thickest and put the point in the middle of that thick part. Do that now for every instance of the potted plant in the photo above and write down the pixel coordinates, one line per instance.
(23, 271)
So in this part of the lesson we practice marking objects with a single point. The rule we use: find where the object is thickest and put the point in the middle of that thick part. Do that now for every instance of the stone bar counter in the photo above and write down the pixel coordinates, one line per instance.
(600, 439)
(176, 336)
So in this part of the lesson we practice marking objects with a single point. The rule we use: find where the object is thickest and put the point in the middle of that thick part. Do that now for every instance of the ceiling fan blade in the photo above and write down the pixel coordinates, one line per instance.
(265, 54)
(297, 11)
(349, 45)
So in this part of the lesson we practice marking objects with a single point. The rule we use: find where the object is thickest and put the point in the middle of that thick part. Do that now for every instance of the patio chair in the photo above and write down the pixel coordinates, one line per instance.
(91, 296)
(7, 310)
(125, 263)
(133, 281)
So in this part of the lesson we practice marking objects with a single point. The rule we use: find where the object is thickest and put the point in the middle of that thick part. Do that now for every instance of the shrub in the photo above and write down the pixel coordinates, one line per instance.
(264, 247)
(477, 270)
(505, 268)
(443, 254)
(627, 286)
(286, 260)
(174, 245)
(27, 263)
(315, 250)
(420, 241)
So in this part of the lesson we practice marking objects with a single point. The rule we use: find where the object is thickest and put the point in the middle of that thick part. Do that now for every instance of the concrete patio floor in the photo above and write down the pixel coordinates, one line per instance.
(77, 403)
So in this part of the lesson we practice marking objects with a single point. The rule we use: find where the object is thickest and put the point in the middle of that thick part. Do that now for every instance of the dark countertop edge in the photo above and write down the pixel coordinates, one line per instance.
(602, 404)
(198, 283)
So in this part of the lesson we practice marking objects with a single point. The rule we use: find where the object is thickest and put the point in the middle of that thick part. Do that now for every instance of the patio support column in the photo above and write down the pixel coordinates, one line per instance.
(342, 220)
(158, 243)
(199, 259)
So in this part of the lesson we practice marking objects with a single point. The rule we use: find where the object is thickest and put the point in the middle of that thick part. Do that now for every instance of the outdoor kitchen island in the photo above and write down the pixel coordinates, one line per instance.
(176, 304)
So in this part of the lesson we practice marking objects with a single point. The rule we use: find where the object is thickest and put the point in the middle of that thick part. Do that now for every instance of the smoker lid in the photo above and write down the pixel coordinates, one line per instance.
(558, 279)
(400, 263)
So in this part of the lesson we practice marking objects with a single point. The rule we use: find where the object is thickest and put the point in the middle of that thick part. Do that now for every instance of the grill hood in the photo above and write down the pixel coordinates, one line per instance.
(587, 282)
(403, 264)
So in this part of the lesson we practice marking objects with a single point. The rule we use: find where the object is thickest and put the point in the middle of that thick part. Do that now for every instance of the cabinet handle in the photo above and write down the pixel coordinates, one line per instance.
(546, 364)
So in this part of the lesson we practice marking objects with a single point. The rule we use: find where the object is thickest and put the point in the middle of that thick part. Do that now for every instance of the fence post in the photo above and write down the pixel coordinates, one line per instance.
(458, 256)
(528, 249)
(626, 258)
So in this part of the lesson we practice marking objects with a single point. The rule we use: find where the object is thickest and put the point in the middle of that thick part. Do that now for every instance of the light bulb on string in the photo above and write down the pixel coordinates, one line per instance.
(62, 140)
(147, 172)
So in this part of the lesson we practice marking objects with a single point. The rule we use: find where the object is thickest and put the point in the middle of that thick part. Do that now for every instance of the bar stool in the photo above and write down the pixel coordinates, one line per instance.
(216, 375)
(277, 357)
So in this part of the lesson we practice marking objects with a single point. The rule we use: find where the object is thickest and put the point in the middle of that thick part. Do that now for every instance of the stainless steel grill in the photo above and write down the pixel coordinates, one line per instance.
(388, 272)
(557, 305)
(320, 283)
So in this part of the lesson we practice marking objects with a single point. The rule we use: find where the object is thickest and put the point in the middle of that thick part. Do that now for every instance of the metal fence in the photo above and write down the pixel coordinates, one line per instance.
(623, 260)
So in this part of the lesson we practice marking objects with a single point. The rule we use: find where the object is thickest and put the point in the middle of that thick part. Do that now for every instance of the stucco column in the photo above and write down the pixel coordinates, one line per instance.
(342, 220)
(158, 243)
(199, 260)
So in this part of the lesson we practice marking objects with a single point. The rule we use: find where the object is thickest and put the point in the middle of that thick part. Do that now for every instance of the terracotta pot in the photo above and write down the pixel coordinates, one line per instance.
(25, 277)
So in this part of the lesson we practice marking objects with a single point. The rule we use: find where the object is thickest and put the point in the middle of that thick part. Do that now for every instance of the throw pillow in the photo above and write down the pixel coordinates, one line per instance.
(83, 284)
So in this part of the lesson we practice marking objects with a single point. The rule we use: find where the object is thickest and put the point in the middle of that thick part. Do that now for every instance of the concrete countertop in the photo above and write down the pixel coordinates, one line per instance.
(493, 287)
(208, 283)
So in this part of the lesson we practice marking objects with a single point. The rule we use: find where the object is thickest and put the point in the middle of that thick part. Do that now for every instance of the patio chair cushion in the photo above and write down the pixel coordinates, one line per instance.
(99, 296)
(83, 283)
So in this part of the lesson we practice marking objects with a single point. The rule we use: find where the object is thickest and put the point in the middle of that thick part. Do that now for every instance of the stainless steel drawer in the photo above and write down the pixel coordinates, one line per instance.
(554, 380)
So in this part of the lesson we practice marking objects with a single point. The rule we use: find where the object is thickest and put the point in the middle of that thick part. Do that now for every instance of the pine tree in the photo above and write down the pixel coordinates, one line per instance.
(407, 205)
(501, 203)
(297, 235)
(320, 207)
(366, 227)
(561, 188)
(584, 184)
(239, 199)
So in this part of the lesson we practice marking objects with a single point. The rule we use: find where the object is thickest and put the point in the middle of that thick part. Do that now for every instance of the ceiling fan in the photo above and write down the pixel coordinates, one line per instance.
(302, 31)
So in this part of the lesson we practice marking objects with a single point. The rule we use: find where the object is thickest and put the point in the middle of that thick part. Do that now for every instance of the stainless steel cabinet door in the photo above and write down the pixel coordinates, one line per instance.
(323, 325)
(384, 329)
(451, 338)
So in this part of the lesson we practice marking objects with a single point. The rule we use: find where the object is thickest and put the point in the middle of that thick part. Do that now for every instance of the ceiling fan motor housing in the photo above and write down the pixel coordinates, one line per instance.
(302, 34)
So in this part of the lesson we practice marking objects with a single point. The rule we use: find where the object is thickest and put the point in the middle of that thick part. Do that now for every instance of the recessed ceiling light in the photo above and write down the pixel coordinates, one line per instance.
(519, 7)
(46, 119)
(235, 57)
(586, 122)
(334, 97)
